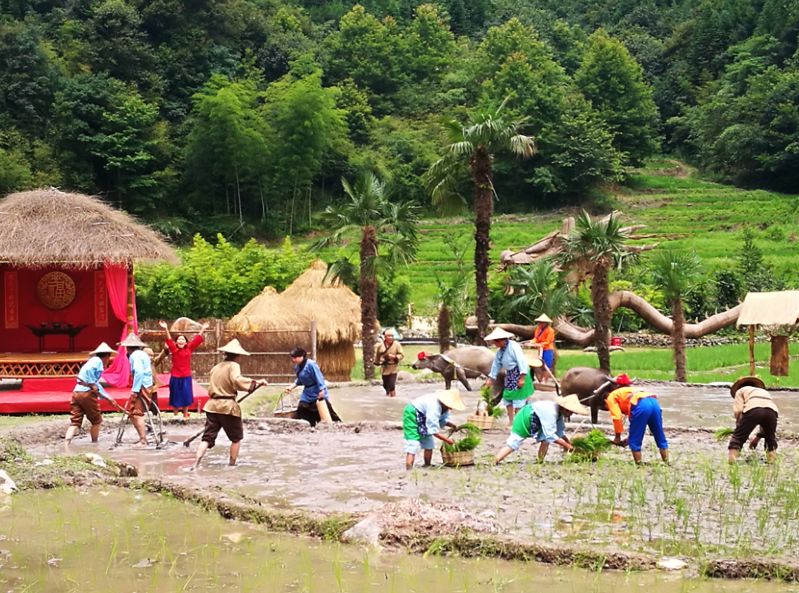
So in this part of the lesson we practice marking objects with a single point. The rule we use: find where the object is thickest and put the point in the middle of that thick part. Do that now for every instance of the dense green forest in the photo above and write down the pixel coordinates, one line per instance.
(203, 115)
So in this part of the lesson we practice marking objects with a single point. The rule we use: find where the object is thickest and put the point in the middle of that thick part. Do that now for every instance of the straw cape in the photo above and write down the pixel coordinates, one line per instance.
(273, 322)
(47, 226)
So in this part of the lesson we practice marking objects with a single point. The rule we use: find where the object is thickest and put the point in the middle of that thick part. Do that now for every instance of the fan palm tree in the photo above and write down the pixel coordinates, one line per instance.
(473, 147)
(387, 238)
(534, 289)
(676, 273)
(601, 245)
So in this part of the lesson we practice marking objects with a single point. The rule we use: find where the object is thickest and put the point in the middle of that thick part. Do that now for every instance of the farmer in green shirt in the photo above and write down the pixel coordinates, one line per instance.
(543, 420)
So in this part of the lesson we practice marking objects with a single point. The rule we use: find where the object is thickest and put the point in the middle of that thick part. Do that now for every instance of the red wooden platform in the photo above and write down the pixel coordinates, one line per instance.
(52, 396)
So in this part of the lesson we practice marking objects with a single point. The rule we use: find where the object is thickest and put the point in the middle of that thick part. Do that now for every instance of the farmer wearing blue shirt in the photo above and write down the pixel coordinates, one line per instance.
(314, 389)
(542, 420)
(85, 395)
(423, 418)
(141, 370)
(518, 383)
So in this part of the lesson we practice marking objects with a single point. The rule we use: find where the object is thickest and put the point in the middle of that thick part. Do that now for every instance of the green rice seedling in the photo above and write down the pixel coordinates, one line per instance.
(722, 434)
(589, 447)
(467, 443)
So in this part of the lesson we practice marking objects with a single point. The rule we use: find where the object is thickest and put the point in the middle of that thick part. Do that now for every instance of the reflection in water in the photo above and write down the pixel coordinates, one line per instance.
(120, 542)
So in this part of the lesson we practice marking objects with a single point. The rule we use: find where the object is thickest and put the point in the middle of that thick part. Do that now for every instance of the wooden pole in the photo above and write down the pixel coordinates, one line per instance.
(131, 299)
(779, 356)
(313, 339)
(751, 349)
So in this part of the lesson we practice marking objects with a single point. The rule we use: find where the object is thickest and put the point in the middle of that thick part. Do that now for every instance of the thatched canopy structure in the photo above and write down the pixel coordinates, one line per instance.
(273, 322)
(47, 226)
(66, 270)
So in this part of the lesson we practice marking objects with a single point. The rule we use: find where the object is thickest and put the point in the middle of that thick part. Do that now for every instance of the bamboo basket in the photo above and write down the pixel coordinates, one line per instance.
(481, 422)
(457, 459)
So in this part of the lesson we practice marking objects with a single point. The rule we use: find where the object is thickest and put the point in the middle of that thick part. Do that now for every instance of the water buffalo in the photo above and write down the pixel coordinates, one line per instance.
(468, 362)
(584, 381)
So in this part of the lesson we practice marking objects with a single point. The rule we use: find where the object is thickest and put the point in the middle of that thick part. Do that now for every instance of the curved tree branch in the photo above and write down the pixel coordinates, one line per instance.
(624, 298)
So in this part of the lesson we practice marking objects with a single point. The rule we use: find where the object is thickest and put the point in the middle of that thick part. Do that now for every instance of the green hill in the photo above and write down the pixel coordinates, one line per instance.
(681, 210)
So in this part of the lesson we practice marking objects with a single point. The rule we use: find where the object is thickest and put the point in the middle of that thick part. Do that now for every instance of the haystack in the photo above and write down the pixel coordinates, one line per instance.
(273, 322)
(47, 227)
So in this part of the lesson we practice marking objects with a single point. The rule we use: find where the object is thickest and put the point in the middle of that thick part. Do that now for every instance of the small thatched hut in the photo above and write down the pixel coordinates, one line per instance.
(66, 266)
(275, 323)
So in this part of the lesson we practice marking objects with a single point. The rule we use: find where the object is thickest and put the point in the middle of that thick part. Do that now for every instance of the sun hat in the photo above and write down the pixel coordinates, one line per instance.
(132, 341)
(451, 398)
(746, 382)
(543, 318)
(572, 403)
(498, 334)
(622, 380)
(103, 348)
(233, 347)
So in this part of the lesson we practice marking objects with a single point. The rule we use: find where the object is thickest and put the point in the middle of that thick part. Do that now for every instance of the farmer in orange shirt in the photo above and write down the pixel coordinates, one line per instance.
(544, 341)
(643, 409)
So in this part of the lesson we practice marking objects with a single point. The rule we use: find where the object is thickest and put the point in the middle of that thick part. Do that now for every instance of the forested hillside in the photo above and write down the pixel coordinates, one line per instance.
(211, 115)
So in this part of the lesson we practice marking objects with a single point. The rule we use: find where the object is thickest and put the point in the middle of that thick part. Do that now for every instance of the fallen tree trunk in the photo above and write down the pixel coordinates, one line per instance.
(624, 298)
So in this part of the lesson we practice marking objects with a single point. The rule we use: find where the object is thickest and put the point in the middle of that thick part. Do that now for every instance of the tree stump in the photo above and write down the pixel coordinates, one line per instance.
(779, 356)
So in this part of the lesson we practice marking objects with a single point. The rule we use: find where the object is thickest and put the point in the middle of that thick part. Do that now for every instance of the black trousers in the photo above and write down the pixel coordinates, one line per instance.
(765, 418)
(390, 382)
(307, 411)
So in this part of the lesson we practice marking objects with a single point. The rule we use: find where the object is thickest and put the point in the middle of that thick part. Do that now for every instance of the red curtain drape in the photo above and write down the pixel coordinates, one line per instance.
(116, 281)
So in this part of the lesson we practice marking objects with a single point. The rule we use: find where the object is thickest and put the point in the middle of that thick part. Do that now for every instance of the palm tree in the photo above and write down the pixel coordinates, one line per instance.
(454, 299)
(388, 238)
(534, 289)
(600, 245)
(675, 273)
(474, 146)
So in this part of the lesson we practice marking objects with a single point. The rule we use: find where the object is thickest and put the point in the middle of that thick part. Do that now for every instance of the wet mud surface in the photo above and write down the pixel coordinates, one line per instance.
(697, 508)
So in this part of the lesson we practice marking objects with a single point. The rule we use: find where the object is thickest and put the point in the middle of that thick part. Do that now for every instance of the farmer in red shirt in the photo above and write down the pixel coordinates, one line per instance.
(181, 395)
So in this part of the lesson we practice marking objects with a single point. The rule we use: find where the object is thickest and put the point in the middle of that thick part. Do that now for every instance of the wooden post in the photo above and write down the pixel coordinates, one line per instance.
(313, 339)
(779, 356)
(131, 299)
(751, 349)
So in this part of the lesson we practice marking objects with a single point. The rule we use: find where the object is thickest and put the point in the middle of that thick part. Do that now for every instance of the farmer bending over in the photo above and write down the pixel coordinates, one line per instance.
(222, 411)
(545, 421)
(752, 406)
(86, 394)
(643, 409)
(423, 418)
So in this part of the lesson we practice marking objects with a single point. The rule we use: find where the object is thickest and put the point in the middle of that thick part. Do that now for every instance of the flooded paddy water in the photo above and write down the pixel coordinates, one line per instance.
(112, 540)
(699, 508)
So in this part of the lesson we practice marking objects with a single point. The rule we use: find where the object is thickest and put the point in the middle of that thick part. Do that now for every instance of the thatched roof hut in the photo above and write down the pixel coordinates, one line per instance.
(46, 227)
(273, 322)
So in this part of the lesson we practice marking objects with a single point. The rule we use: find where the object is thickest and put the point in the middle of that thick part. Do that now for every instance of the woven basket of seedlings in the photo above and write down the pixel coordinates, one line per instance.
(462, 451)
(590, 447)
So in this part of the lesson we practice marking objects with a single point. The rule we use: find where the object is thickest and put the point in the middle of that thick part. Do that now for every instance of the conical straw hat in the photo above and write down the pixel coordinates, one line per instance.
(132, 341)
(103, 348)
(572, 403)
(233, 347)
(451, 398)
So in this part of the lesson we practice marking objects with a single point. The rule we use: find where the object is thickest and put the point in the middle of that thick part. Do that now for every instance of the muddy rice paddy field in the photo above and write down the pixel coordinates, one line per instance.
(723, 520)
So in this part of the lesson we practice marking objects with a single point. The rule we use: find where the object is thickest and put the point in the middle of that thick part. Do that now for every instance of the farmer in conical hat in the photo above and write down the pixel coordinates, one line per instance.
(143, 384)
(222, 411)
(643, 409)
(388, 354)
(86, 393)
(543, 420)
(423, 418)
(544, 341)
(518, 383)
(753, 406)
